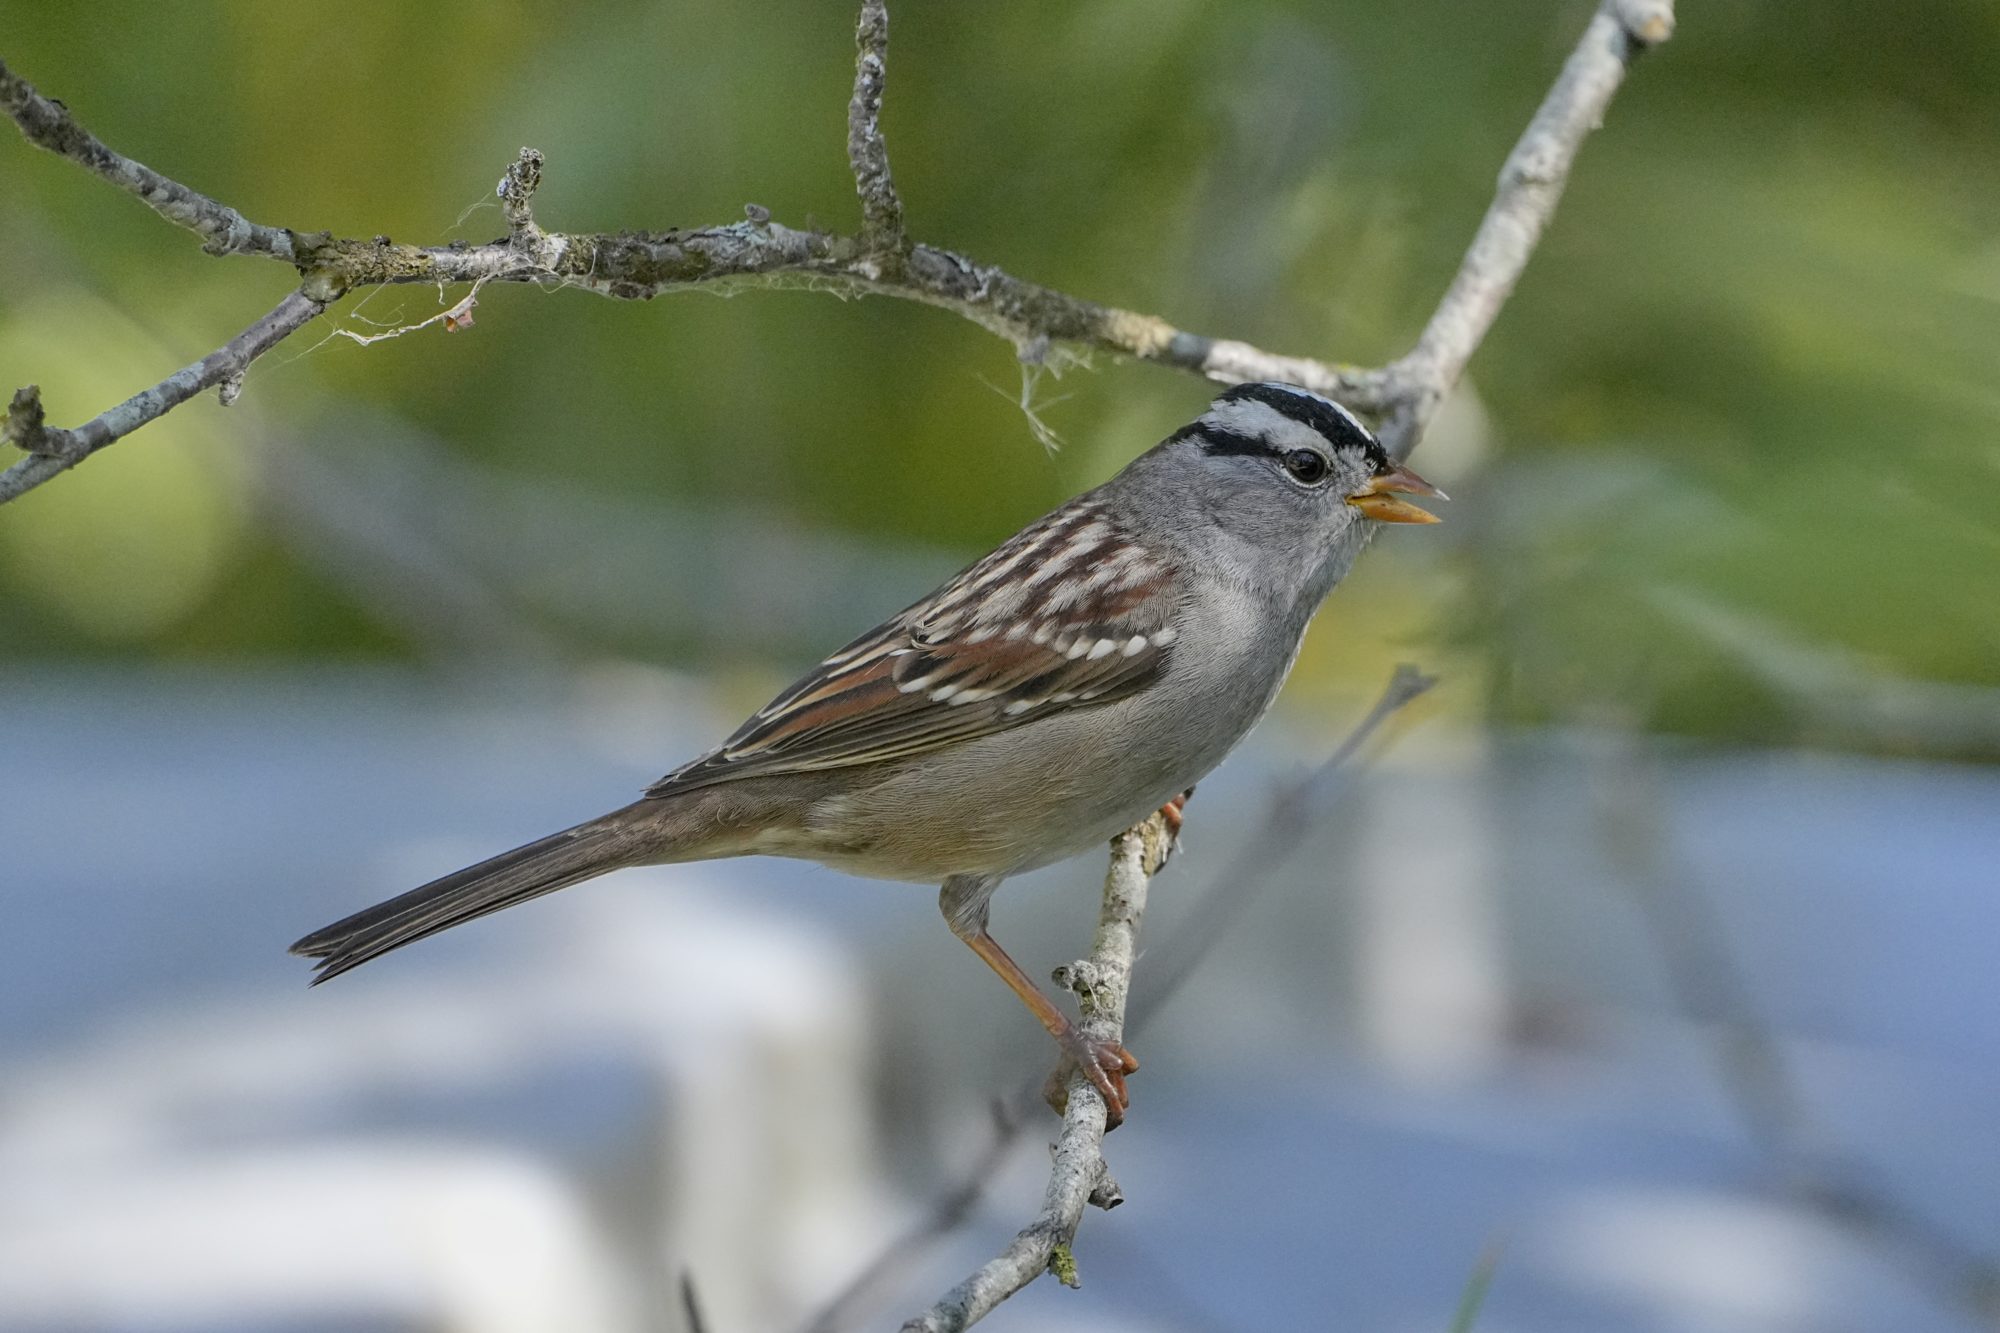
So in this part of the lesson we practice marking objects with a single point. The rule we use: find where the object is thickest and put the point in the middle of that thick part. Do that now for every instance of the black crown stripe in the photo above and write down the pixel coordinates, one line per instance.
(1334, 425)
(1215, 440)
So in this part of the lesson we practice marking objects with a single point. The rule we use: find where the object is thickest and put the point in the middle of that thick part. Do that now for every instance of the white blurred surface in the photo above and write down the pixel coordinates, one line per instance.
(1448, 1022)
(216, 1164)
(377, 1231)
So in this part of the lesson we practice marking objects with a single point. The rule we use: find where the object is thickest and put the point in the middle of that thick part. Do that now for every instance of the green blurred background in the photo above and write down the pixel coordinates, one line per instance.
(1726, 466)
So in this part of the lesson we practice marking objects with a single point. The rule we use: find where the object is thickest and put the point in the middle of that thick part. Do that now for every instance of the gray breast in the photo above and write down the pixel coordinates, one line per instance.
(1024, 798)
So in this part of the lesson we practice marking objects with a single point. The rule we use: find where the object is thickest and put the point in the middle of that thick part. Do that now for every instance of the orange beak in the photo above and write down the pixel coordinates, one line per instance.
(1378, 498)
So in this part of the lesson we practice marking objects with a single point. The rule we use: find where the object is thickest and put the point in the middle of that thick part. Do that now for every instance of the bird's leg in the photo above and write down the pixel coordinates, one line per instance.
(963, 900)
(1104, 1063)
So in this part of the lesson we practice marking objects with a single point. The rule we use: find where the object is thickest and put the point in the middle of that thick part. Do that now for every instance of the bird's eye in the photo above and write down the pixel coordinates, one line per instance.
(1307, 466)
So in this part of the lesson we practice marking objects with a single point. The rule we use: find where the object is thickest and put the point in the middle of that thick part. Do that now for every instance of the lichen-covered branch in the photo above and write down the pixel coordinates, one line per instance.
(224, 231)
(867, 152)
(51, 449)
(758, 251)
(640, 265)
(517, 195)
(880, 259)
(1079, 1176)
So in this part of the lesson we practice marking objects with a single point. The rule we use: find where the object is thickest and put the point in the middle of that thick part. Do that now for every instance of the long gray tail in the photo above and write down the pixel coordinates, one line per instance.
(623, 837)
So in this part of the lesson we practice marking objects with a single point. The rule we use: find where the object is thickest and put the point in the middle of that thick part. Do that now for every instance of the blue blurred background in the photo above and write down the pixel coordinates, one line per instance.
(1651, 952)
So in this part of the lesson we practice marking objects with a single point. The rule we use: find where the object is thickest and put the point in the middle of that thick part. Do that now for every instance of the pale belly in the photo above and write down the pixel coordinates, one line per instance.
(1034, 795)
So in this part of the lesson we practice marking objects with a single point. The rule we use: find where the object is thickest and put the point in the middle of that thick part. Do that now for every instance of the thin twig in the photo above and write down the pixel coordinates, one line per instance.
(867, 153)
(517, 194)
(881, 259)
(1530, 186)
(949, 1211)
(52, 450)
(1473, 1298)
(48, 124)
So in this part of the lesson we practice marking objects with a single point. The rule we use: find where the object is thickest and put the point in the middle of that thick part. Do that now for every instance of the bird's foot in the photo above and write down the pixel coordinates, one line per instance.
(1172, 814)
(1105, 1063)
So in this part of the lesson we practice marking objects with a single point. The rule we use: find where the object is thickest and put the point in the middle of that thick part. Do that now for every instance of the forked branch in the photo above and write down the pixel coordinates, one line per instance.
(878, 259)
(52, 449)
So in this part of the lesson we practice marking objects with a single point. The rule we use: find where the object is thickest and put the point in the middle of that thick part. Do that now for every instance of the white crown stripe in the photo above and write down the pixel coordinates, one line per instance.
(1247, 416)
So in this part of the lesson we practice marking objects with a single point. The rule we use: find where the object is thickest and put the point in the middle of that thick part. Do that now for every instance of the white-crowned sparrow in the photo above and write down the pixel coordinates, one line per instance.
(1086, 672)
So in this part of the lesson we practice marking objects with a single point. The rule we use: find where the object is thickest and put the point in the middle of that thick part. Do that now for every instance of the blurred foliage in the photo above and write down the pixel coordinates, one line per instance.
(1752, 367)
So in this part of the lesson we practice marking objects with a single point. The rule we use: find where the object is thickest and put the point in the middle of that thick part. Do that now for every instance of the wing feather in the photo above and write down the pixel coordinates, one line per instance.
(1090, 621)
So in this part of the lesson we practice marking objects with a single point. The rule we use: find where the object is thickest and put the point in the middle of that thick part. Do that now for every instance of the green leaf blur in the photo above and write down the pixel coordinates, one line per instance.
(1731, 454)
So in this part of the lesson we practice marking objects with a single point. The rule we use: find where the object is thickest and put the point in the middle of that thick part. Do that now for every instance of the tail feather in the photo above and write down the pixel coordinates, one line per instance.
(543, 866)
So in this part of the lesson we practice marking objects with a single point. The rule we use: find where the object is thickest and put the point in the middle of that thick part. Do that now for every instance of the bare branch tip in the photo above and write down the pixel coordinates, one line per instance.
(24, 413)
(26, 427)
(1407, 682)
(1106, 1194)
(1081, 978)
(1648, 22)
(517, 191)
(867, 153)
(872, 27)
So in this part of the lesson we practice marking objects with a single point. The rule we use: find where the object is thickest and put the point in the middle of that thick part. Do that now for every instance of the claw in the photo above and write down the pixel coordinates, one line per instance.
(1106, 1064)
(1172, 814)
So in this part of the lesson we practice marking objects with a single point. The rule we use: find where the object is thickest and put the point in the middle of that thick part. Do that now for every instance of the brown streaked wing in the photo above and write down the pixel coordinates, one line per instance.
(1068, 613)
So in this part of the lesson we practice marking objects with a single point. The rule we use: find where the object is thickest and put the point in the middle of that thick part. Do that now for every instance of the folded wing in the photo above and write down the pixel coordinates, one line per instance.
(1069, 613)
